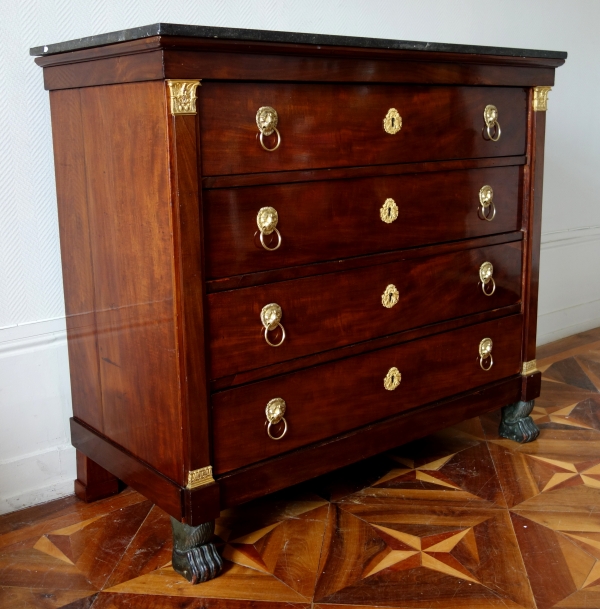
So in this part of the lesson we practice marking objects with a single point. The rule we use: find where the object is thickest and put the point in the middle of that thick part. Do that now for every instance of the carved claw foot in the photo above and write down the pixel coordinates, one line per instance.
(516, 423)
(193, 556)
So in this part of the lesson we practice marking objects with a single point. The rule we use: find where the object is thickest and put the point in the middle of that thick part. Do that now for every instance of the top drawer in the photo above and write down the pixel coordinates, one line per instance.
(343, 125)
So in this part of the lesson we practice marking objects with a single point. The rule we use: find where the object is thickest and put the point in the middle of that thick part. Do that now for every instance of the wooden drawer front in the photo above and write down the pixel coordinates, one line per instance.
(336, 219)
(338, 309)
(333, 398)
(342, 125)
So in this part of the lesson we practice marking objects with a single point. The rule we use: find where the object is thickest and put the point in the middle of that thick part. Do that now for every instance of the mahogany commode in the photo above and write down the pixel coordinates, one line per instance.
(283, 253)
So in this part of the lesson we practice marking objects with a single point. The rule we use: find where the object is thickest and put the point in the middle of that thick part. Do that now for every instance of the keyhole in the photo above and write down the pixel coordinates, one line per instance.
(393, 121)
(389, 212)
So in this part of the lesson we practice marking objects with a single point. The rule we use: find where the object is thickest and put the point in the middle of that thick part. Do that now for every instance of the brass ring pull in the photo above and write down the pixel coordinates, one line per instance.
(270, 249)
(486, 270)
(266, 220)
(284, 430)
(493, 284)
(275, 344)
(262, 133)
(266, 120)
(485, 353)
(274, 411)
(270, 317)
(487, 211)
(490, 116)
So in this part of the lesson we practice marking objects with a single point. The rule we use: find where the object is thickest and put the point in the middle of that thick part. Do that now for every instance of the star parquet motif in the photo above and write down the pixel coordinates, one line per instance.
(461, 519)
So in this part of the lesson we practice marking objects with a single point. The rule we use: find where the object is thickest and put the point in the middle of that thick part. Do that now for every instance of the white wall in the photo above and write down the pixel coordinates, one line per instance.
(36, 462)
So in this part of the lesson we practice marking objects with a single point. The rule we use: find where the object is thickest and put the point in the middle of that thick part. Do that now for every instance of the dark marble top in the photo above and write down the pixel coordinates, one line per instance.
(201, 31)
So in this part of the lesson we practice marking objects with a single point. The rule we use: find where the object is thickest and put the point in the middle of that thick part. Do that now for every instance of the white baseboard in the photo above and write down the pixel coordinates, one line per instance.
(37, 462)
(569, 283)
(560, 324)
(25, 499)
(36, 478)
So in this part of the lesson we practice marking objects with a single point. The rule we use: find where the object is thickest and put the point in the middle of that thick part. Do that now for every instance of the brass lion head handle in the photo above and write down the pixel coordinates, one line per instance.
(490, 116)
(267, 120)
(486, 271)
(487, 209)
(275, 412)
(270, 316)
(266, 221)
(485, 353)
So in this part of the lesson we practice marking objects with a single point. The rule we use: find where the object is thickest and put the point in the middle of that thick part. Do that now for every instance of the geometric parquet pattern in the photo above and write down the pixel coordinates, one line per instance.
(460, 519)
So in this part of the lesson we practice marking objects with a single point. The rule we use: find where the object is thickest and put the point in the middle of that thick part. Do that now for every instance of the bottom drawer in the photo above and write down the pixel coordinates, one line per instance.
(334, 398)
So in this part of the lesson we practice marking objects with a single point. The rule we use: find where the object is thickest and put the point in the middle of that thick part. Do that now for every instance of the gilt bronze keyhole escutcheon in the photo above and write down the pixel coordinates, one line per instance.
(392, 123)
(389, 211)
(390, 296)
(392, 379)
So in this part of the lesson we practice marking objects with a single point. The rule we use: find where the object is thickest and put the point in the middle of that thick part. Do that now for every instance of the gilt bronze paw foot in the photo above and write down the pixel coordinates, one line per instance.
(194, 556)
(516, 423)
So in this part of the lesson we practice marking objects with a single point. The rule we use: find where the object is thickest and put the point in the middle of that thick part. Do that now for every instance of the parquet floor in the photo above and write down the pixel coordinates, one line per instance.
(460, 519)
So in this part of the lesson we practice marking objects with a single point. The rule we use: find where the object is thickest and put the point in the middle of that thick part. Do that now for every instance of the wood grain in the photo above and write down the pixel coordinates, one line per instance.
(533, 231)
(300, 465)
(328, 400)
(330, 311)
(189, 288)
(363, 171)
(342, 125)
(93, 481)
(77, 263)
(331, 219)
(132, 252)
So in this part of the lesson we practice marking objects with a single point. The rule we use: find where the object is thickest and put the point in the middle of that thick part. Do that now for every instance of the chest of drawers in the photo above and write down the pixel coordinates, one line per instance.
(284, 253)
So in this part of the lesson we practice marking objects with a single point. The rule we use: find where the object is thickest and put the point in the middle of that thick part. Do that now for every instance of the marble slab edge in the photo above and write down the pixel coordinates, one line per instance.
(201, 31)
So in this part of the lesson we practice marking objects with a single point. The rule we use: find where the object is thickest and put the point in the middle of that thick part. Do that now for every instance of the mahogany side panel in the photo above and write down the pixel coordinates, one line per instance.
(334, 310)
(189, 282)
(128, 193)
(330, 125)
(334, 219)
(297, 466)
(328, 400)
(76, 256)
